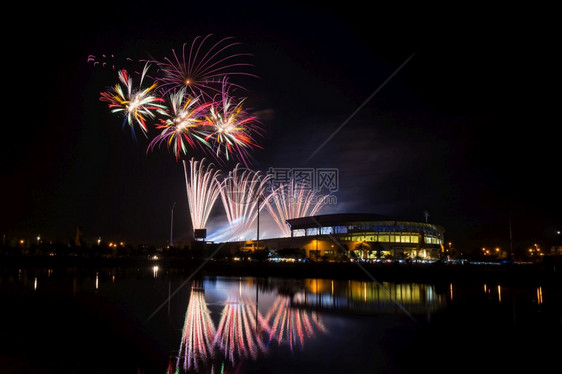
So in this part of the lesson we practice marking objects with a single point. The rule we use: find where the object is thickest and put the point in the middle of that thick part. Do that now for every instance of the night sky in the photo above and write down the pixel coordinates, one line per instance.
(465, 130)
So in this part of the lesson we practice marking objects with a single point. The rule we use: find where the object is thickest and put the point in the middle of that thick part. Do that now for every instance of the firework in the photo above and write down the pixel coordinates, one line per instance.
(242, 197)
(293, 200)
(203, 189)
(201, 69)
(231, 131)
(198, 332)
(237, 334)
(108, 61)
(181, 129)
(288, 325)
(137, 105)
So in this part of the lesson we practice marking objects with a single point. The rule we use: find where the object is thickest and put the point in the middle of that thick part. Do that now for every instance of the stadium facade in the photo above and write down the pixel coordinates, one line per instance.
(357, 235)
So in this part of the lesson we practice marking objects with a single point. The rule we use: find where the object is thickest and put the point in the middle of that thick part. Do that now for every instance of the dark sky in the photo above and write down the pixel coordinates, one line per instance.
(465, 130)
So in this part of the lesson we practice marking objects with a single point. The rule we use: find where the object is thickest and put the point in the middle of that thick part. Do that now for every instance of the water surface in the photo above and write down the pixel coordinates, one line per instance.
(154, 320)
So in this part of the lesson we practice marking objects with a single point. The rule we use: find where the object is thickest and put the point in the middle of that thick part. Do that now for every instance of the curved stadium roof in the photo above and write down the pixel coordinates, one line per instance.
(346, 219)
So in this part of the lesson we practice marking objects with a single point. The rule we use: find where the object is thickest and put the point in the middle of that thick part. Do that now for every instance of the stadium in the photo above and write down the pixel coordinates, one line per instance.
(369, 237)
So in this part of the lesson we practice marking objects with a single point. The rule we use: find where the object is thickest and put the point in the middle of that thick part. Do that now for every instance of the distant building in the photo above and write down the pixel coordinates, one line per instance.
(358, 235)
(556, 250)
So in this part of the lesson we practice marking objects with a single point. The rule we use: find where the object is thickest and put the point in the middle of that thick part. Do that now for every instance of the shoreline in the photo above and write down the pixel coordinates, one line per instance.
(546, 272)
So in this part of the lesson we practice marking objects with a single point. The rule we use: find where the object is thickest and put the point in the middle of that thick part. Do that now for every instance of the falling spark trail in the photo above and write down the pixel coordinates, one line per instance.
(203, 189)
(293, 200)
(241, 194)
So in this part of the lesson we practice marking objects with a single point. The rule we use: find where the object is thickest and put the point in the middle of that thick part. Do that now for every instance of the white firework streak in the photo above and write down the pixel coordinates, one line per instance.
(290, 325)
(237, 334)
(293, 200)
(202, 187)
(198, 332)
(241, 193)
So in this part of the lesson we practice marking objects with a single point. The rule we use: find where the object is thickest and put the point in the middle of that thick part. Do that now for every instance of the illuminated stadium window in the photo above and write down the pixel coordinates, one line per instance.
(340, 230)
(384, 238)
(299, 232)
(405, 238)
(432, 240)
(327, 230)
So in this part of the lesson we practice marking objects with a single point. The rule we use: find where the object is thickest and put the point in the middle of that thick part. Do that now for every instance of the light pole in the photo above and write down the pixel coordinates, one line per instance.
(172, 223)
(258, 226)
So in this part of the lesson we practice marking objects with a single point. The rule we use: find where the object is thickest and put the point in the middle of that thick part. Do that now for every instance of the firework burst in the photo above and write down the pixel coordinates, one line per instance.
(181, 129)
(203, 190)
(201, 69)
(137, 105)
(293, 200)
(231, 131)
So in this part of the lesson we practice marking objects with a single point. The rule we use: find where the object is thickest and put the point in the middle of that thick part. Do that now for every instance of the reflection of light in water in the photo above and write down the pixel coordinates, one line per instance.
(290, 325)
(244, 333)
(198, 332)
(451, 290)
(97, 281)
(369, 296)
(237, 333)
(35, 284)
(155, 271)
(488, 291)
(539, 295)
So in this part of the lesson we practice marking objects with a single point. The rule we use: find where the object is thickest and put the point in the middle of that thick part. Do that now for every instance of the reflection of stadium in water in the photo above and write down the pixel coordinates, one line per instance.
(280, 315)
(362, 296)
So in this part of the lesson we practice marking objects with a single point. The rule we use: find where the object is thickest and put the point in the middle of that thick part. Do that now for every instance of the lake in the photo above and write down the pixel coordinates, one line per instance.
(154, 319)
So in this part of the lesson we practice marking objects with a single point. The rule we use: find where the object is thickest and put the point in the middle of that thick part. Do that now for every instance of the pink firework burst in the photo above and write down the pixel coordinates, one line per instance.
(181, 128)
(231, 131)
(201, 69)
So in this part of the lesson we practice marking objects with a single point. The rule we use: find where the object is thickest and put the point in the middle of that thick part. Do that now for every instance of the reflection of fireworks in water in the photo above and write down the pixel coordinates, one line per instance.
(198, 332)
(240, 194)
(181, 130)
(136, 104)
(237, 334)
(291, 325)
(201, 70)
(231, 130)
(202, 191)
(293, 200)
